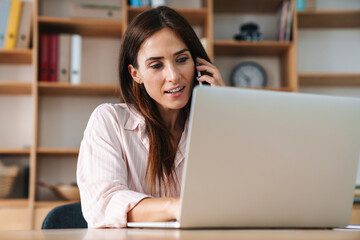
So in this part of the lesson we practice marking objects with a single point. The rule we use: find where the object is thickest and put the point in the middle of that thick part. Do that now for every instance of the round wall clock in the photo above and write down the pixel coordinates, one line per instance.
(248, 74)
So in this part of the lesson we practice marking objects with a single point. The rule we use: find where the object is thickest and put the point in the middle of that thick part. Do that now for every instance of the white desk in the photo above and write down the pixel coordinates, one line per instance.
(155, 234)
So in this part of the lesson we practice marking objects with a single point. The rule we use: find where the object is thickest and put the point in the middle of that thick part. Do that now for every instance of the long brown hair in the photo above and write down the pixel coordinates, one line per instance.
(162, 151)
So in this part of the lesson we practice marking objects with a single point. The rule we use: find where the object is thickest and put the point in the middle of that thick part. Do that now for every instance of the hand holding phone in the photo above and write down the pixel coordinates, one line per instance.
(208, 72)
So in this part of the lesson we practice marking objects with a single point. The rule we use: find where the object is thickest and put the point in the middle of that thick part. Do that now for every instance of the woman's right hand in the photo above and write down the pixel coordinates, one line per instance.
(214, 79)
(175, 207)
(155, 210)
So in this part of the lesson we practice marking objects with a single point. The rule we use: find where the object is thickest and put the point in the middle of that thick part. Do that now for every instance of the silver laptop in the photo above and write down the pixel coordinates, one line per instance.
(265, 159)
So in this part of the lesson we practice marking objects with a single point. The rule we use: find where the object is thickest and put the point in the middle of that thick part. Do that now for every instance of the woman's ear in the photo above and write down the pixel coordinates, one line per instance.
(134, 74)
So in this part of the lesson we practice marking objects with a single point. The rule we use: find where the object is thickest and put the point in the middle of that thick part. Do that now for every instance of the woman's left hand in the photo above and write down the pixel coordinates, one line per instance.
(214, 79)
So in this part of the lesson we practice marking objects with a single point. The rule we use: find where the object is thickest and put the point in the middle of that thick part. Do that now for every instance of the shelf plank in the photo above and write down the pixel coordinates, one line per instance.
(16, 56)
(281, 89)
(244, 48)
(52, 204)
(82, 26)
(195, 16)
(10, 202)
(245, 6)
(57, 151)
(48, 88)
(15, 151)
(329, 19)
(15, 88)
(329, 79)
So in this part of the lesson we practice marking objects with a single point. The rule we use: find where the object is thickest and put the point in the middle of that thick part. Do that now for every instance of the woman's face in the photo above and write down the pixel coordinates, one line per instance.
(166, 69)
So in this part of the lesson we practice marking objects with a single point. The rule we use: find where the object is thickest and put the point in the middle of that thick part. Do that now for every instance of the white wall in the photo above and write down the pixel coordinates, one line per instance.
(322, 50)
(16, 122)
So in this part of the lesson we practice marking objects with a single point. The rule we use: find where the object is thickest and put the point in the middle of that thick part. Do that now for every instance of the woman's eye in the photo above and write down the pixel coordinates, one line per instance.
(156, 66)
(182, 60)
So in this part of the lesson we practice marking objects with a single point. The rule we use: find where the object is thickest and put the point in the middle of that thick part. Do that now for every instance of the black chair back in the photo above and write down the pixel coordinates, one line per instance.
(65, 216)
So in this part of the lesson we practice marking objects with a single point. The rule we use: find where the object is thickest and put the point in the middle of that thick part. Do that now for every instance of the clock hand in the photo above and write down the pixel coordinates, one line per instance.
(247, 79)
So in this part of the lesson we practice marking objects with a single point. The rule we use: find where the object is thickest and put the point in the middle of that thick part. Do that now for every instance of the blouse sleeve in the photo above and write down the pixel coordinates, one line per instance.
(102, 172)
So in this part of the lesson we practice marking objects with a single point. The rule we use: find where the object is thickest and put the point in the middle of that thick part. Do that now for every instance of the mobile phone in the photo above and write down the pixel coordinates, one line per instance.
(198, 74)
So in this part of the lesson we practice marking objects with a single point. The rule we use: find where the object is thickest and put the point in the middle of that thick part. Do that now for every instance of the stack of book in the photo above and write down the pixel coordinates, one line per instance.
(146, 3)
(60, 58)
(302, 5)
(15, 24)
(285, 17)
(92, 10)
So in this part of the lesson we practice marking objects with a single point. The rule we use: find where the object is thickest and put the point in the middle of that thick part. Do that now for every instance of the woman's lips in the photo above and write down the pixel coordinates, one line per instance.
(175, 90)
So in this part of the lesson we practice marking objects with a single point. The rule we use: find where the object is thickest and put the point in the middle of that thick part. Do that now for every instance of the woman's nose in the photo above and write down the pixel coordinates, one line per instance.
(172, 73)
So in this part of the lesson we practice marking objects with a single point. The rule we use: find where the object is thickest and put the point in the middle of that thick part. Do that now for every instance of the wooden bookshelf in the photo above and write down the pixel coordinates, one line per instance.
(329, 19)
(329, 79)
(84, 27)
(51, 204)
(243, 48)
(66, 89)
(14, 203)
(15, 151)
(56, 151)
(355, 216)
(16, 56)
(15, 88)
(284, 51)
(281, 89)
(110, 31)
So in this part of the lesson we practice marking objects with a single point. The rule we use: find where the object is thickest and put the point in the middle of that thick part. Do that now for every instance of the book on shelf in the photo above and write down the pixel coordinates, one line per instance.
(75, 59)
(300, 5)
(289, 22)
(13, 24)
(96, 11)
(4, 13)
(53, 63)
(282, 19)
(97, 4)
(63, 74)
(135, 3)
(44, 63)
(146, 3)
(157, 3)
(24, 35)
(60, 58)
(285, 21)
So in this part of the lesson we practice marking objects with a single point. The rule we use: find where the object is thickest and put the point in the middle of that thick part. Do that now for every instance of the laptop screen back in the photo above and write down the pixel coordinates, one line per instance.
(270, 159)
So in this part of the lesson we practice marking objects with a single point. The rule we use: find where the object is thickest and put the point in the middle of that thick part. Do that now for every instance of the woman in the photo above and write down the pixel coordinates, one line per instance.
(132, 154)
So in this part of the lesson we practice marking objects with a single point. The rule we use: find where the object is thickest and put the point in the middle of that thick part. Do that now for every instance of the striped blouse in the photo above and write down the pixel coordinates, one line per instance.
(112, 165)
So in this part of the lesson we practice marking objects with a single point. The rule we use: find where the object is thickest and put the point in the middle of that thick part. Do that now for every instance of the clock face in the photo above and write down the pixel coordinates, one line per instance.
(248, 74)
